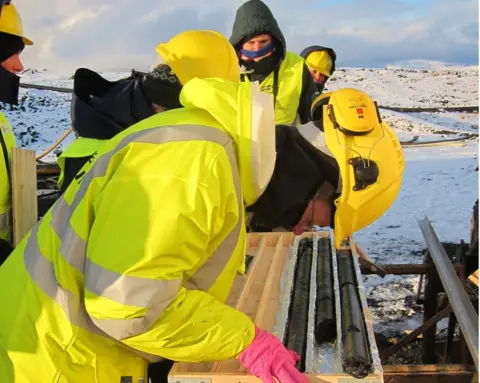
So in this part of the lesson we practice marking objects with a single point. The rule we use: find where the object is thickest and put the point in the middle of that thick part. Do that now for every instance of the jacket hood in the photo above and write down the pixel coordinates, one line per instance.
(247, 114)
(319, 48)
(101, 108)
(254, 18)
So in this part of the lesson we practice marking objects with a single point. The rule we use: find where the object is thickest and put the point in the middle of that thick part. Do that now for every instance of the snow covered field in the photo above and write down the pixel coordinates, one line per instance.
(440, 182)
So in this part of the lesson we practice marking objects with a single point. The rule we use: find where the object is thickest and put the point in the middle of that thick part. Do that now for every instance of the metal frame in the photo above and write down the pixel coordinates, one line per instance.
(462, 307)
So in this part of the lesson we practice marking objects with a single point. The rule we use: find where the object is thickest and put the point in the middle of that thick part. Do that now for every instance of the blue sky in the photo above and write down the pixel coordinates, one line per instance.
(123, 34)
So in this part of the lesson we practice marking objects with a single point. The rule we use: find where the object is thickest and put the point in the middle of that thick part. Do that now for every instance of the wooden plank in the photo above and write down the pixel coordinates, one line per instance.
(236, 290)
(427, 374)
(252, 292)
(246, 378)
(270, 301)
(474, 277)
(452, 321)
(253, 239)
(392, 374)
(415, 333)
(405, 369)
(366, 261)
(432, 287)
(24, 192)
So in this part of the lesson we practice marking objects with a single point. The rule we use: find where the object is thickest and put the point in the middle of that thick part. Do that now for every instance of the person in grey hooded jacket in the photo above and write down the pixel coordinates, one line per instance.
(262, 52)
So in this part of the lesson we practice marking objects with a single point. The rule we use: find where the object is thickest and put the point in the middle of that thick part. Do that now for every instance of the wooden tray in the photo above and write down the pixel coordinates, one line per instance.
(258, 296)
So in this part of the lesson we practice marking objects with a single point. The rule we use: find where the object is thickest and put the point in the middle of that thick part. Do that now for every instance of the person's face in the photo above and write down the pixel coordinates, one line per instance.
(318, 212)
(158, 108)
(13, 64)
(258, 42)
(318, 77)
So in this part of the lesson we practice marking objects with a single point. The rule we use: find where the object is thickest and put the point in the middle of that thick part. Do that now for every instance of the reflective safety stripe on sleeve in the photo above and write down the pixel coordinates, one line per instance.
(119, 288)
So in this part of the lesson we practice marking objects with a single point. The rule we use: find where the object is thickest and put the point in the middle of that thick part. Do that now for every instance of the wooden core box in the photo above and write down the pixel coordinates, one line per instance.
(258, 296)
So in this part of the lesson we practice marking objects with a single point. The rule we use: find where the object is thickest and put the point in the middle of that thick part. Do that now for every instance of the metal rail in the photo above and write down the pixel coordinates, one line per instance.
(462, 307)
(402, 109)
(46, 87)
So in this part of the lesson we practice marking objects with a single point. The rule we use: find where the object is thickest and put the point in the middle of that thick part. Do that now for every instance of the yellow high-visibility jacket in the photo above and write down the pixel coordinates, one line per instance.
(136, 258)
(80, 147)
(289, 87)
(5, 182)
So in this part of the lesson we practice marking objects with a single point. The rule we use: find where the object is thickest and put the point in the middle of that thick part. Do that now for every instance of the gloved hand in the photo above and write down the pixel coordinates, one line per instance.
(266, 357)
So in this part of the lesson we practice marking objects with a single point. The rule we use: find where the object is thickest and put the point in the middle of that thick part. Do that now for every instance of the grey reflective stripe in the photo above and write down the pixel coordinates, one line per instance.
(133, 291)
(73, 248)
(42, 272)
(120, 329)
(207, 274)
(155, 295)
(5, 220)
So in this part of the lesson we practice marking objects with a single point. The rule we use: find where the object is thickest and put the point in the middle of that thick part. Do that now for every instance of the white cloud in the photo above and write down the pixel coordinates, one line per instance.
(82, 16)
(383, 34)
(123, 34)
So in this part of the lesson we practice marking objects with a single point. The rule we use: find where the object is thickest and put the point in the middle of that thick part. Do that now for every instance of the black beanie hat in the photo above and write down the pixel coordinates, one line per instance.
(9, 45)
(162, 87)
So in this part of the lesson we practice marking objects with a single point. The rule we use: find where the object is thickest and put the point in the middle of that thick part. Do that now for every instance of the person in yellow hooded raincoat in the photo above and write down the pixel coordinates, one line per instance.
(12, 42)
(134, 262)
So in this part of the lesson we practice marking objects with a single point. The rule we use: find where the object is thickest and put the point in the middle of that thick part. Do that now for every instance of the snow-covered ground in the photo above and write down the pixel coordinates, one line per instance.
(412, 87)
(440, 182)
(42, 116)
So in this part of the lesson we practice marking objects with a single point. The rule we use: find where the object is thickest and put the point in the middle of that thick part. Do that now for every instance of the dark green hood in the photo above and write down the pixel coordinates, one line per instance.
(255, 18)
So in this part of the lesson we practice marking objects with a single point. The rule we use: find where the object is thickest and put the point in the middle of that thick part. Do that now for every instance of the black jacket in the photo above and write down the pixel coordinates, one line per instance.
(300, 169)
(254, 18)
(319, 48)
(101, 109)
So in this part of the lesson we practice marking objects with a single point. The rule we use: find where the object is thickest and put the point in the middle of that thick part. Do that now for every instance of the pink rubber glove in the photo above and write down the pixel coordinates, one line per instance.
(266, 357)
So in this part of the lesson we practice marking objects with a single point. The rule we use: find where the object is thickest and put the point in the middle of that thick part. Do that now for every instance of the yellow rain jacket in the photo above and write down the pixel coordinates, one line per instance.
(80, 147)
(5, 182)
(288, 90)
(136, 258)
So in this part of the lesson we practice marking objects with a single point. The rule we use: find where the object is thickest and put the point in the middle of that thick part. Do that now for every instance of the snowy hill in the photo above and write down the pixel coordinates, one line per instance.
(441, 181)
(42, 116)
